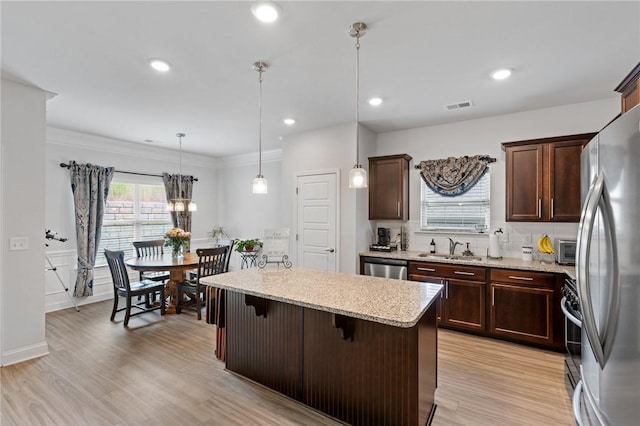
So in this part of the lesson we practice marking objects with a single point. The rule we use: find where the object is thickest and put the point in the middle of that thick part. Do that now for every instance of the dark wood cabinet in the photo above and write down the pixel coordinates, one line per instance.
(543, 179)
(522, 305)
(629, 88)
(463, 298)
(389, 187)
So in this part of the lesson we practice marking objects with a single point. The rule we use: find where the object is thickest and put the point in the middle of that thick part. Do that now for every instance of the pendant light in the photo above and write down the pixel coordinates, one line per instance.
(260, 183)
(357, 175)
(178, 204)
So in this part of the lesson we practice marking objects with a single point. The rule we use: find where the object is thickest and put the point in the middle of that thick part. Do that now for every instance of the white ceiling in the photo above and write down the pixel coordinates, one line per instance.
(418, 56)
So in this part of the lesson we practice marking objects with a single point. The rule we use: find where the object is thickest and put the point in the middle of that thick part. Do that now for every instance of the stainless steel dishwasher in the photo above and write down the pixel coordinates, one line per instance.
(385, 268)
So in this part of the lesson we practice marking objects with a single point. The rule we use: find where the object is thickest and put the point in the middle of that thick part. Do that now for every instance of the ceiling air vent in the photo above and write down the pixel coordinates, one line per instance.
(458, 105)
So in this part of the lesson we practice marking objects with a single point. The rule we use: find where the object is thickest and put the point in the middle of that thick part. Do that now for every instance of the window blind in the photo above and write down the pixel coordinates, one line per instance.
(459, 213)
(134, 212)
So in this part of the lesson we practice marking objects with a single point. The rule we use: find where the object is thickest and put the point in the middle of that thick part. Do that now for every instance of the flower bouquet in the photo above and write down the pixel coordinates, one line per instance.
(177, 239)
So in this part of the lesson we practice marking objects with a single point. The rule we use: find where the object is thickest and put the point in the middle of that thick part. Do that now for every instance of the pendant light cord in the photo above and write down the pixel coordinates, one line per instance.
(358, 99)
(260, 123)
(180, 136)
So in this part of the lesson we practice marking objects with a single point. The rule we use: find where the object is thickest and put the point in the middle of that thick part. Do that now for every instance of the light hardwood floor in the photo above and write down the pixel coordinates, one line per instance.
(161, 371)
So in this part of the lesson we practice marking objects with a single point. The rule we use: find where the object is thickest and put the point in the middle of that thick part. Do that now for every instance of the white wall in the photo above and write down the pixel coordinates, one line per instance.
(327, 150)
(23, 175)
(484, 136)
(242, 213)
(63, 146)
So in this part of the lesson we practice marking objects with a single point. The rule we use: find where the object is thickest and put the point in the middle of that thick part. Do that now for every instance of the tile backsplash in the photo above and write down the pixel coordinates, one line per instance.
(515, 235)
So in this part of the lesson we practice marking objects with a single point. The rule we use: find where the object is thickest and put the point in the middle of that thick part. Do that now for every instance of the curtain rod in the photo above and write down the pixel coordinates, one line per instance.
(68, 166)
(484, 157)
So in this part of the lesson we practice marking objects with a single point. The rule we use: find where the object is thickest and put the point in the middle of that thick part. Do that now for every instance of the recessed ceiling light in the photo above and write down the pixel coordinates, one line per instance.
(289, 121)
(159, 65)
(501, 74)
(265, 12)
(375, 101)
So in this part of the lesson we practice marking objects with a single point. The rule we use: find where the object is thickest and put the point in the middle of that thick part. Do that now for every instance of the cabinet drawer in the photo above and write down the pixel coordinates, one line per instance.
(445, 270)
(516, 276)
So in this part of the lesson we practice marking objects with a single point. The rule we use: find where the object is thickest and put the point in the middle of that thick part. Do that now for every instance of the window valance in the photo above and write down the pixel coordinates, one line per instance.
(454, 175)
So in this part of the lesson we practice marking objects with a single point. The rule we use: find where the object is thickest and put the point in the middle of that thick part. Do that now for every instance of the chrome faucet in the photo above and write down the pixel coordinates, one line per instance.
(452, 246)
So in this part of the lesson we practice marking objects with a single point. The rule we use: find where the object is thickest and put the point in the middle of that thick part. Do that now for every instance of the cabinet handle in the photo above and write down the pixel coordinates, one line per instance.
(398, 208)
(426, 269)
(446, 289)
(540, 207)
(493, 295)
(464, 273)
(551, 212)
(515, 277)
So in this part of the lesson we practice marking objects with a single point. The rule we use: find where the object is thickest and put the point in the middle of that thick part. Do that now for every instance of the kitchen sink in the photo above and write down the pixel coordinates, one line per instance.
(449, 256)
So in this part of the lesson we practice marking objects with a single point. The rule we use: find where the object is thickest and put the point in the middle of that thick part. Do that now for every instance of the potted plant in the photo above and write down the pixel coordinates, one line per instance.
(248, 245)
(219, 235)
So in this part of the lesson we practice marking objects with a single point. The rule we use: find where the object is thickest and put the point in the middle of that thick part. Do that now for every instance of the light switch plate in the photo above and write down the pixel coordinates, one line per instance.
(18, 243)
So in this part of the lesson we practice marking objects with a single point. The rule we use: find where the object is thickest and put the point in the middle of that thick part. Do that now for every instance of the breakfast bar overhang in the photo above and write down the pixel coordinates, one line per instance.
(358, 348)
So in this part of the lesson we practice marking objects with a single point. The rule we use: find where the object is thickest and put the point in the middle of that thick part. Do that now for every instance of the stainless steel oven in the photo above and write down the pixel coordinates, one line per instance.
(570, 305)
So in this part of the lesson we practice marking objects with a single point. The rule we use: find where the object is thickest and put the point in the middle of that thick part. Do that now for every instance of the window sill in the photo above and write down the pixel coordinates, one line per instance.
(450, 231)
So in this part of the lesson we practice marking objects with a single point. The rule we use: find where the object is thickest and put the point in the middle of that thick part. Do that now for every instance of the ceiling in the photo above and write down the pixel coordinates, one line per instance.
(418, 56)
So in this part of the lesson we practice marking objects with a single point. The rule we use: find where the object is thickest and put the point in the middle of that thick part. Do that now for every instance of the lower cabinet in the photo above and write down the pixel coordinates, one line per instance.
(463, 298)
(464, 303)
(518, 305)
(522, 305)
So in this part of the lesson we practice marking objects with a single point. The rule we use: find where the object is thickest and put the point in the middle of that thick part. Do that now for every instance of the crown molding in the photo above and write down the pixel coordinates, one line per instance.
(251, 158)
(75, 139)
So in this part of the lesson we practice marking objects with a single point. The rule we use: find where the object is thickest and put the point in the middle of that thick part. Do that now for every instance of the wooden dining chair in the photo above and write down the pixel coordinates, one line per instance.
(123, 287)
(151, 248)
(211, 261)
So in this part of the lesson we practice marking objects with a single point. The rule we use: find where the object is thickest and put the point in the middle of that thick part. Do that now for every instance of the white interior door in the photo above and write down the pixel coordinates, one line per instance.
(317, 221)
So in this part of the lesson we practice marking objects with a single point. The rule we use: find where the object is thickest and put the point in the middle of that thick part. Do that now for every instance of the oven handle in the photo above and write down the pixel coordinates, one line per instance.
(569, 315)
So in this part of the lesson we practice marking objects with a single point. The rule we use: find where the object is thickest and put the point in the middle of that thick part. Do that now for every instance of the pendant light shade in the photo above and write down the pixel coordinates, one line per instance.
(357, 175)
(259, 184)
(179, 203)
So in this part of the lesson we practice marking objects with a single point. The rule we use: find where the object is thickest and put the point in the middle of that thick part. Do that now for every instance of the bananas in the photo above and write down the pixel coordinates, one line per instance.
(544, 245)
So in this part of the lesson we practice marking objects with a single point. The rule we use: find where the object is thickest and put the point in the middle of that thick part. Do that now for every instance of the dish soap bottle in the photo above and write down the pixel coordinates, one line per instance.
(433, 246)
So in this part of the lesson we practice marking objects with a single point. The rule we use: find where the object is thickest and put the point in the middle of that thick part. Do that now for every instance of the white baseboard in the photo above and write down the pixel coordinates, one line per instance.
(25, 353)
(66, 303)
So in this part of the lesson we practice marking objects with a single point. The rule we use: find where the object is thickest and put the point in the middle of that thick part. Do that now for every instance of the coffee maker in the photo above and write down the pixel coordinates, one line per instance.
(384, 241)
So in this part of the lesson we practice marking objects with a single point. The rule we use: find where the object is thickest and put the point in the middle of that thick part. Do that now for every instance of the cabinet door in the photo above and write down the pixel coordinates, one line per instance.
(440, 307)
(522, 312)
(524, 183)
(564, 199)
(464, 304)
(389, 188)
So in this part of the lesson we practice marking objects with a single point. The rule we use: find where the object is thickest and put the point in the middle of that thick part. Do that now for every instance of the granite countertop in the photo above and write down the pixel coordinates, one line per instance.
(505, 263)
(393, 302)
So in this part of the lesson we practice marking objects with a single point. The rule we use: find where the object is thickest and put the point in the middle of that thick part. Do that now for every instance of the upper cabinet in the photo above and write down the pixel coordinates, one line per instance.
(389, 187)
(543, 179)
(629, 88)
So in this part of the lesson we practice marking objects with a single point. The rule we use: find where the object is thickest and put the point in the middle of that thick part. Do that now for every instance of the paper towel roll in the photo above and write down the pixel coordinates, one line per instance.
(494, 246)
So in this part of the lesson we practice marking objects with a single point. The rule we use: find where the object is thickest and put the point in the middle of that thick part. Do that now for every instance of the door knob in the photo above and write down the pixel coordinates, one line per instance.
(330, 250)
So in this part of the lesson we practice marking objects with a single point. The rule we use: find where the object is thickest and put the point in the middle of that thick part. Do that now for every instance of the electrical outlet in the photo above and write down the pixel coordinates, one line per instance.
(503, 237)
(18, 243)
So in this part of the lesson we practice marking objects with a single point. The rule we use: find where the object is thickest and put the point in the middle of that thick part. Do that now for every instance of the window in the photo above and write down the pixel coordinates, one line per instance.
(133, 212)
(467, 212)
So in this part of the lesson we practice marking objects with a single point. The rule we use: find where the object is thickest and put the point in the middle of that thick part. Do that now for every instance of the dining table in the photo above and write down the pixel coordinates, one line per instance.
(177, 267)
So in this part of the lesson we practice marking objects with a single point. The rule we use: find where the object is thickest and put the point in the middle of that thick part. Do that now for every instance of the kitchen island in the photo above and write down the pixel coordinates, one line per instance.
(358, 348)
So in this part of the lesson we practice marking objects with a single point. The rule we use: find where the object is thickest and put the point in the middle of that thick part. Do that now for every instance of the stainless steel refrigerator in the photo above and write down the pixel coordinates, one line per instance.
(608, 276)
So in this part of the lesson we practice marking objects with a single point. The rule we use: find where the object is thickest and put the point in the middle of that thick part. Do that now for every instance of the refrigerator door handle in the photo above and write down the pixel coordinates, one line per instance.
(589, 400)
(577, 393)
(601, 343)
